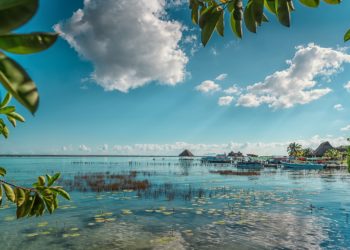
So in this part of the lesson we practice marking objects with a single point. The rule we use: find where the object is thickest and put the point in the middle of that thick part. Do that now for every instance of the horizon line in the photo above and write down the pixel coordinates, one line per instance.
(99, 155)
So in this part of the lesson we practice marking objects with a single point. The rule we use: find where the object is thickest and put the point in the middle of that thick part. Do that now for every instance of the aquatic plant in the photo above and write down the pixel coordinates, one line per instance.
(239, 173)
(171, 192)
(103, 182)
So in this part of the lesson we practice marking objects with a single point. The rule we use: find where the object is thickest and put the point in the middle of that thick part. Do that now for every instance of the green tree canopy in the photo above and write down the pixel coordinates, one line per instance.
(210, 14)
(294, 149)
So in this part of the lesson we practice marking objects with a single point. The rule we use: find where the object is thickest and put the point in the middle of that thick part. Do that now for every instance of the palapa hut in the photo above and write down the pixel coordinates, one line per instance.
(322, 149)
(342, 149)
(252, 155)
(235, 155)
(186, 153)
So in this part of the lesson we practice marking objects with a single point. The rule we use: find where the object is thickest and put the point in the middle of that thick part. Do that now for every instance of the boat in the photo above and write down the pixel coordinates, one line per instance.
(221, 159)
(249, 165)
(274, 162)
(303, 165)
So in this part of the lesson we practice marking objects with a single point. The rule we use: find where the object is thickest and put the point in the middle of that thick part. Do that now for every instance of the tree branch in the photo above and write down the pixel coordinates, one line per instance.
(15, 186)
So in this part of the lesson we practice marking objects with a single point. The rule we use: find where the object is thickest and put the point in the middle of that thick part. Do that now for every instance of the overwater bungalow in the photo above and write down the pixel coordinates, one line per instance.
(186, 154)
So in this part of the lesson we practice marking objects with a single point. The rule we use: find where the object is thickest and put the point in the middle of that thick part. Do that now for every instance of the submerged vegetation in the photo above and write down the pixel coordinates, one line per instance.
(239, 173)
(105, 182)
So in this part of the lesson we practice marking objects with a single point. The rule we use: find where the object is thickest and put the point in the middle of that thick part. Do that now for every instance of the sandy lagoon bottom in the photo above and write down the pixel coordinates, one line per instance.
(185, 206)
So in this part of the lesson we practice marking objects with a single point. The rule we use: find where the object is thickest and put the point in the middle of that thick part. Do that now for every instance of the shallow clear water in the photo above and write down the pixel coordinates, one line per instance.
(185, 207)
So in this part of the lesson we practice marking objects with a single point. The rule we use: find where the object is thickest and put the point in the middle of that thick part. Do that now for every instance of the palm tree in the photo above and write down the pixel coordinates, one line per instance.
(307, 152)
(333, 154)
(294, 149)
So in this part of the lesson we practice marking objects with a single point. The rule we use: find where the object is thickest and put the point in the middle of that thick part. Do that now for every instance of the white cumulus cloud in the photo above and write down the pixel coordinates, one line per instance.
(103, 147)
(221, 77)
(296, 84)
(347, 86)
(346, 128)
(338, 107)
(84, 148)
(225, 100)
(232, 90)
(248, 100)
(208, 86)
(261, 148)
(130, 42)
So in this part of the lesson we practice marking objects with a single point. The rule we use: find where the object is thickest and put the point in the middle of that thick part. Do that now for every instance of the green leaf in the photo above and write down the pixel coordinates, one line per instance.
(48, 178)
(194, 13)
(27, 43)
(258, 10)
(332, 1)
(63, 193)
(55, 202)
(53, 179)
(210, 24)
(5, 132)
(283, 12)
(16, 80)
(230, 6)
(26, 207)
(347, 36)
(41, 180)
(291, 5)
(17, 116)
(12, 121)
(265, 19)
(7, 110)
(10, 194)
(0, 195)
(15, 13)
(36, 205)
(205, 15)
(236, 26)
(2, 171)
(6, 100)
(271, 6)
(20, 196)
(249, 19)
(220, 25)
(49, 204)
(310, 3)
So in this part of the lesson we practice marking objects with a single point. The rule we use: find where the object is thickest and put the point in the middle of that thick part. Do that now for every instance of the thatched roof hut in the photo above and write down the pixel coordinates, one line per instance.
(186, 153)
(233, 154)
(322, 149)
(252, 155)
(342, 149)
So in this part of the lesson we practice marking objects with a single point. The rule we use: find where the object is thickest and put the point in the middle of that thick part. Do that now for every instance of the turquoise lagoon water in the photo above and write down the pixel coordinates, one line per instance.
(185, 207)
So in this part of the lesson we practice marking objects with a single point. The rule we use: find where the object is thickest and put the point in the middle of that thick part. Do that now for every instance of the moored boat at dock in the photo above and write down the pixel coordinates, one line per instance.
(303, 165)
(249, 165)
(219, 159)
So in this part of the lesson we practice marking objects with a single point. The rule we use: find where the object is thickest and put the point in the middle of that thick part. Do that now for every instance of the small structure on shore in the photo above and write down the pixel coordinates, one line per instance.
(322, 149)
(342, 149)
(252, 155)
(235, 155)
(186, 153)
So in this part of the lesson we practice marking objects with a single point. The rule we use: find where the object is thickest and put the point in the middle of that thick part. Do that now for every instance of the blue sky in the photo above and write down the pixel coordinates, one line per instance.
(84, 106)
